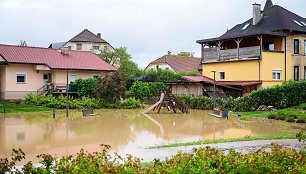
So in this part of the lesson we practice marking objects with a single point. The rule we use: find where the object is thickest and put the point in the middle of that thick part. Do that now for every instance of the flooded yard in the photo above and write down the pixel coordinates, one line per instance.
(126, 131)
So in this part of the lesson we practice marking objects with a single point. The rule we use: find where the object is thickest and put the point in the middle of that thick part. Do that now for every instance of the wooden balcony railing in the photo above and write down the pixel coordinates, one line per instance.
(214, 54)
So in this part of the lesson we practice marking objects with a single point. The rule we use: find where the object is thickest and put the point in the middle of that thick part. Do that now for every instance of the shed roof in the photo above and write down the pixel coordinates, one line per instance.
(54, 59)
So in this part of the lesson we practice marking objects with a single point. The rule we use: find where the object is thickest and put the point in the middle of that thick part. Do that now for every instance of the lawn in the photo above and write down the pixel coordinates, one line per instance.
(13, 108)
(299, 111)
(247, 138)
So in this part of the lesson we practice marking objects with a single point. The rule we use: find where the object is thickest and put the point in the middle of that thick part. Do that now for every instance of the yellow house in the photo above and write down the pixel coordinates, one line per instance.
(264, 51)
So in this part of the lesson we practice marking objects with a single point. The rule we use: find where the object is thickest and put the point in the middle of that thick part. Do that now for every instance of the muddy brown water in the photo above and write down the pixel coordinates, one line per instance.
(126, 131)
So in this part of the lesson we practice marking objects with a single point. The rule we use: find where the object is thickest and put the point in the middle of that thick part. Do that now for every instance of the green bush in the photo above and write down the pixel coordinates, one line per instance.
(164, 75)
(301, 120)
(140, 90)
(204, 103)
(272, 116)
(86, 87)
(291, 93)
(59, 102)
(290, 119)
(202, 160)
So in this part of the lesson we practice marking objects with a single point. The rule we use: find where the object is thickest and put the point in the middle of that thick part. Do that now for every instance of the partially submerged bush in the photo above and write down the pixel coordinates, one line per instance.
(272, 116)
(290, 119)
(202, 160)
(59, 102)
(301, 120)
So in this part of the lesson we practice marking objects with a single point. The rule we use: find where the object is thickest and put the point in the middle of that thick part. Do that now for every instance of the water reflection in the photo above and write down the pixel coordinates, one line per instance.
(126, 131)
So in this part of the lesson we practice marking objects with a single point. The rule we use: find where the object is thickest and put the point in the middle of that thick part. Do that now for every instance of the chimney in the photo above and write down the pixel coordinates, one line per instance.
(99, 35)
(256, 13)
(65, 51)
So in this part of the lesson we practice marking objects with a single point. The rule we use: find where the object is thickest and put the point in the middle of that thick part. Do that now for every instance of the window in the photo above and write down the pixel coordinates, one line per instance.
(95, 77)
(304, 72)
(298, 23)
(79, 46)
(296, 46)
(69, 48)
(246, 26)
(105, 48)
(222, 75)
(305, 47)
(21, 78)
(303, 23)
(296, 73)
(276, 74)
(96, 47)
(73, 77)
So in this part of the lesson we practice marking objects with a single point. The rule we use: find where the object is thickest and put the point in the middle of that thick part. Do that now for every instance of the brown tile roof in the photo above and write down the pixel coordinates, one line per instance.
(87, 36)
(179, 63)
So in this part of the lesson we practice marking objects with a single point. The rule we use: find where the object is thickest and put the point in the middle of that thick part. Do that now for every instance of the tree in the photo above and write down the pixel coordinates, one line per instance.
(111, 87)
(111, 57)
(187, 54)
(129, 67)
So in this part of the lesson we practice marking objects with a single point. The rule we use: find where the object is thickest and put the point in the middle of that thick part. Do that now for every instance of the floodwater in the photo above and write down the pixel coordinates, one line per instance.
(126, 131)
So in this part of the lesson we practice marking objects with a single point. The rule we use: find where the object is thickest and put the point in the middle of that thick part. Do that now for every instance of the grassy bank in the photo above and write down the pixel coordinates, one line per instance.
(14, 108)
(247, 138)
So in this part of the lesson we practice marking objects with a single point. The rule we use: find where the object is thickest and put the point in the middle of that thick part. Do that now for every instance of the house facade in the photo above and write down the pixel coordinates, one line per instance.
(85, 41)
(26, 70)
(266, 50)
(176, 63)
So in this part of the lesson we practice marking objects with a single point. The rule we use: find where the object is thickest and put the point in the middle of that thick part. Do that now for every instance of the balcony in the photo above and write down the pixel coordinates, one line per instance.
(215, 55)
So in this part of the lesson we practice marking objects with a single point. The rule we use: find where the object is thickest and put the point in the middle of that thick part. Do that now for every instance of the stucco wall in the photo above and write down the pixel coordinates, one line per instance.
(2, 80)
(10, 89)
(297, 59)
(88, 46)
(234, 71)
(160, 66)
(59, 76)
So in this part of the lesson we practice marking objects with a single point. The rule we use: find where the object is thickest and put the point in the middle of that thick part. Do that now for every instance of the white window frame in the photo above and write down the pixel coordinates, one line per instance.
(276, 71)
(220, 75)
(25, 77)
(93, 47)
(73, 75)
(93, 76)
(77, 46)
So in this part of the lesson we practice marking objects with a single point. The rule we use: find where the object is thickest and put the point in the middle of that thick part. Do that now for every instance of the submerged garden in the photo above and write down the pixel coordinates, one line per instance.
(121, 90)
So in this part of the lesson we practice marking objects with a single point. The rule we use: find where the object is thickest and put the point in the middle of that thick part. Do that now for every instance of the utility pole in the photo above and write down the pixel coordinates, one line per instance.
(214, 88)
(67, 88)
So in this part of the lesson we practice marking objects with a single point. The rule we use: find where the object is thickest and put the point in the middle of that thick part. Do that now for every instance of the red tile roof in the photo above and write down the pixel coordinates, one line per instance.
(198, 79)
(54, 59)
(239, 83)
(227, 83)
(179, 63)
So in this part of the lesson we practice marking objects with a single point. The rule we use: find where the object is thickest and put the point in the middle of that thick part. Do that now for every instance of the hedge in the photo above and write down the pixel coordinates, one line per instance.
(202, 160)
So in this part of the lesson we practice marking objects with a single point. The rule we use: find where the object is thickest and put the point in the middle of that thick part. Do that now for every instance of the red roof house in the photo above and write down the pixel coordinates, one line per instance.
(25, 70)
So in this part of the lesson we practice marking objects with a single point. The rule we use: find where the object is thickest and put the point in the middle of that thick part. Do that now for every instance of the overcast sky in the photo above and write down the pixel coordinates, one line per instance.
(148, 28)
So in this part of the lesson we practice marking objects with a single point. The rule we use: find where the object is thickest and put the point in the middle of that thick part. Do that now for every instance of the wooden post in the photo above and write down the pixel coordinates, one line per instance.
(238, 41)
(202, 52)
(219, 43)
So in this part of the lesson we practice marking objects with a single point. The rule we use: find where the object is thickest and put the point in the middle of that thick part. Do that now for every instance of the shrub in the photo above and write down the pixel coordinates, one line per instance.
(202, 160)
(300, 120)
(111, 87)
(140, 90)
(280, 97)
(86, 87)
(164, 75)
(81, 103)
(204, 103)
(290, 119)
(272, 116)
